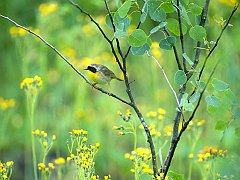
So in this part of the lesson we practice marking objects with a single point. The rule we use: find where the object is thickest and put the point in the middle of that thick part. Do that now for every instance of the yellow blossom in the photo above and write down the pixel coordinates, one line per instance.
(46, 9)
(161, 111)
(115, 128)
(97, 145)
(127, 155)
(85, 139)
(45, 144)
(4, 176)
(54, 137)
(87, 29)
(168, 130)
(5, 103)
(59, 161)
(132, 170)
(200, 123)
(14, 31)
(152, 114)
(120, 133)
(160, 117)
(31, 83)
(51, 165)
(41, 166)
(190, 155)
(9, 163)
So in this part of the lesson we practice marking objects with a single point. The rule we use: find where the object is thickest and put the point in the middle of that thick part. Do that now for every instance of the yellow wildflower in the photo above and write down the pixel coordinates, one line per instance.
(41, 166)
(4, 176)
(51, 165)
(5, 103)
(161, 111)
(45, 144)
(46, 9)
(59, 161)
(190, 155)
(9, 163)
(97, 145)
(31, 83)
(152, 114)
(127, 155)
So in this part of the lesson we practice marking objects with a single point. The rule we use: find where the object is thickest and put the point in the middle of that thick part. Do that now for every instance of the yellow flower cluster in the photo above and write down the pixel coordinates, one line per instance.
(78, 132)
(141, 160)
(49, 8)
(196, 123)
(31, 84)
(127, 115)
(59, 161)
(159, 113)
(209, 153)
(46, 168)
(6, 169)
(6, 103)
(82, 154)
(42, 135)
(17, 31)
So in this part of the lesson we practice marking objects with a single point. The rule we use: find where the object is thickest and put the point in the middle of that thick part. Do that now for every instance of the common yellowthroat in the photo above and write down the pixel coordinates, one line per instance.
(100, 74)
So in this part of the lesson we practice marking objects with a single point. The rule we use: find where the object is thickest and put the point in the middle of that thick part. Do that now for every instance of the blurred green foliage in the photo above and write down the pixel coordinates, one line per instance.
(66, 102)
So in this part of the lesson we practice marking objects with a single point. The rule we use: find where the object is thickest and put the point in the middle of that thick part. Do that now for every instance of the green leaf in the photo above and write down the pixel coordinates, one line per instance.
(167, 7)
(137, 38)
(120, 33)
(121, 23)
(188, 107)
(212, 101)
(185, 15)
(187, 59)
(195, 9)
(221, 125)
(219, 85)
(200, 85)
(173, 26)
(123, 10)
(108, 21)
(155, 11)
(194, 97)
(236, 113)
(144, 13)
(197, 33)
(186, 2)
(140, 50)
(184, 99)
(175, 176)
(160, 26)
(167, 43)
(237, 132)
(180, 77)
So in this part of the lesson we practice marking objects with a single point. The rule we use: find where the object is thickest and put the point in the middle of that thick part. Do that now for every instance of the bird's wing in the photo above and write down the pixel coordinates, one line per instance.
(107, 72)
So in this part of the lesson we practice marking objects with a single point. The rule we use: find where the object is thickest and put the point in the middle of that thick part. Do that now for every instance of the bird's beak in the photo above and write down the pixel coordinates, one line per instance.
(85, 68)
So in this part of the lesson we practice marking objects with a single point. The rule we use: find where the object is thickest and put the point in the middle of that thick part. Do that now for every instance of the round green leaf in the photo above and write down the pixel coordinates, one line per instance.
(167, 43)
(123, 10)
(219, 85)
(140, 50)
(137, 38)
(173, 26)
(167, 7)
(155, 11)
(188, 107)
(212, 101)
(194, 97)
(197, 33)
(195, 9)
(180, 77)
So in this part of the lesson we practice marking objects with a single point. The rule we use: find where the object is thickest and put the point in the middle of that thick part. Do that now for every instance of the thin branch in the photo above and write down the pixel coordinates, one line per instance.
(114, 28)
(65, 59)
(181, 34)
(175, 51)
(172, 149)
(217, 41)
(165, 75)
(198, 49)
(101, 30)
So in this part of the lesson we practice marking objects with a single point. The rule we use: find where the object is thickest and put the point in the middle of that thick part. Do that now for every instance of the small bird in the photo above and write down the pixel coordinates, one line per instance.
(100, 74)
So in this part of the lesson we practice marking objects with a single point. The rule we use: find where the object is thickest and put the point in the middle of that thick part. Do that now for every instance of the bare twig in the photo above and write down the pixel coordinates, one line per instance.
(165, 75)
(217, 41)
(65, 59)
(101, 30)
(181, 34)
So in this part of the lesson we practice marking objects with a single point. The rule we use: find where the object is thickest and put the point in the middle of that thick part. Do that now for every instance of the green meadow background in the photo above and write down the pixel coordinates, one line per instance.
(66, 102)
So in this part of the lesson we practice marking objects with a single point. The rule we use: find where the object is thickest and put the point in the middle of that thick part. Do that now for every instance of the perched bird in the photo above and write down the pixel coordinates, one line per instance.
(100, 74)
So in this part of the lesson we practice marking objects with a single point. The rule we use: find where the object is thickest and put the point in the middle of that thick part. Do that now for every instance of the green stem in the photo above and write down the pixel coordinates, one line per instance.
(31, 106)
